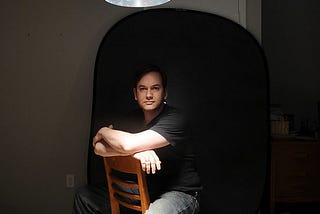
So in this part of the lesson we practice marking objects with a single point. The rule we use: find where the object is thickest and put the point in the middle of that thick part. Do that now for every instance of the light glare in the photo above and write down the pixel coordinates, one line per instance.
(137, 3)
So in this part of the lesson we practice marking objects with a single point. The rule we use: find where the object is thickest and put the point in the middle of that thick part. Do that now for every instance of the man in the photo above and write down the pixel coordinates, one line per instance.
(162, 141)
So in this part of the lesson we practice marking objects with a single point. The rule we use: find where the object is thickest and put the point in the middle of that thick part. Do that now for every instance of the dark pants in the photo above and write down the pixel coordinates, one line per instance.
(94, 200)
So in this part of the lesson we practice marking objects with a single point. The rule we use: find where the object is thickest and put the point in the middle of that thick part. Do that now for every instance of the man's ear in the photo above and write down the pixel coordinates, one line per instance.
(135, 93)
(166, 94)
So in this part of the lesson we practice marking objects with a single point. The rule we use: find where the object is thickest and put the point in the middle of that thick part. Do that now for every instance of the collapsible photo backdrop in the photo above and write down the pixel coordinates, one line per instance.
(218, 72)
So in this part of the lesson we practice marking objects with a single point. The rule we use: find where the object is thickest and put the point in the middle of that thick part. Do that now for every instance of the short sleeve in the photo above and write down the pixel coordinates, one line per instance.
(172, 125)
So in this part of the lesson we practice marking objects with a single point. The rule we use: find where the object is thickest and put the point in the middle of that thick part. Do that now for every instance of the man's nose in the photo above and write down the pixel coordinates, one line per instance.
(149, 93)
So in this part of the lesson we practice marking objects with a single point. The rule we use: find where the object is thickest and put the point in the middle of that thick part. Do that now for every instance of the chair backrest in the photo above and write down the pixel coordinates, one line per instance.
(136, 199)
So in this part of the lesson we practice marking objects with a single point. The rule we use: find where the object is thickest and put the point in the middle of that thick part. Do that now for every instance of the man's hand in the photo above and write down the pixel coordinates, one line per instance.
(101, 147)
(149, 161)
(98, 137)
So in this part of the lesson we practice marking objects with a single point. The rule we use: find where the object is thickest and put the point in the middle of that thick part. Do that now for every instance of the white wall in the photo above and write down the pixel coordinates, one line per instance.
(48, 51)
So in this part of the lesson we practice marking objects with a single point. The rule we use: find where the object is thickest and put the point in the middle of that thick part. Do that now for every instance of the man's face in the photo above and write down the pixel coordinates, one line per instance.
(149, 92)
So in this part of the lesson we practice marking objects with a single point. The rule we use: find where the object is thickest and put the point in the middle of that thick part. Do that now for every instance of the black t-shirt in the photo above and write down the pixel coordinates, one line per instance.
(178, 161)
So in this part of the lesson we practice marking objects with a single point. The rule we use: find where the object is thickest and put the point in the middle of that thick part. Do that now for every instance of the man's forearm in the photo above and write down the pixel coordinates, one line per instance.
(116, 139)
(130, 143)
(105, 150)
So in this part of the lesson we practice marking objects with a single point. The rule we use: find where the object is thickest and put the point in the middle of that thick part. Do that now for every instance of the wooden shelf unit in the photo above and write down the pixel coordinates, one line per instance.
(295, 171)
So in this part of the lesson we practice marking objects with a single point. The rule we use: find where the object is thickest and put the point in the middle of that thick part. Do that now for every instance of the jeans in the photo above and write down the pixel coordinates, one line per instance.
(174, 202)
(89, 199)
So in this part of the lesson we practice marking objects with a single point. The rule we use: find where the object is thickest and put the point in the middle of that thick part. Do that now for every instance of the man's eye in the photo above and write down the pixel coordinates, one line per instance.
(156, 88)
(142, 89)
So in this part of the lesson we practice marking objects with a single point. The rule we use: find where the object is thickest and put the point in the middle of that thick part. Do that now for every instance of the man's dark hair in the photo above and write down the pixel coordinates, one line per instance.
(143, 70)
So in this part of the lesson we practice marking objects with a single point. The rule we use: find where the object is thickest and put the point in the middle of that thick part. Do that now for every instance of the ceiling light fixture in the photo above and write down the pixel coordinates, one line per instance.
(137, 3)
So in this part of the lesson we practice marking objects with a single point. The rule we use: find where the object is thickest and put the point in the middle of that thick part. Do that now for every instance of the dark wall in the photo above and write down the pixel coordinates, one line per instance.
(291, 40)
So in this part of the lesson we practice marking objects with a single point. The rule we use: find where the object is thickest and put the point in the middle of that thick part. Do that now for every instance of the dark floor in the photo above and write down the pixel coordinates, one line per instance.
(300, 208)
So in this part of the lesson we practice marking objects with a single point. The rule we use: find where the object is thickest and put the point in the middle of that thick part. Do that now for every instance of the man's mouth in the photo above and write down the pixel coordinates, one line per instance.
(149, 102)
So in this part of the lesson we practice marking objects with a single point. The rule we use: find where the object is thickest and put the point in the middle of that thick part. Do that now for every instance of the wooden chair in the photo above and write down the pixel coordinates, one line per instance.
(117, 184)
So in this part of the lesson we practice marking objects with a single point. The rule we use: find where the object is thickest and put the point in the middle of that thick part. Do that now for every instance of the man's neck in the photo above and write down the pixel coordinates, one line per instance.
(150, 115)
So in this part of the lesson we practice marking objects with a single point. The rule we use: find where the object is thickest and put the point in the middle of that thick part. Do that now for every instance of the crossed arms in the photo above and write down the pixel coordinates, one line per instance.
(111, 142)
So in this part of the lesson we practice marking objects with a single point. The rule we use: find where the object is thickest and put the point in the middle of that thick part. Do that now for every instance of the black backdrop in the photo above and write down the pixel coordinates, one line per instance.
(218, 72)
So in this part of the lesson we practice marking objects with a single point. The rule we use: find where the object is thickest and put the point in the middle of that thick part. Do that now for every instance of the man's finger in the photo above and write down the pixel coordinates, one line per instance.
(153, 168)
(143, 164)
(148, 167)
(158, 164)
